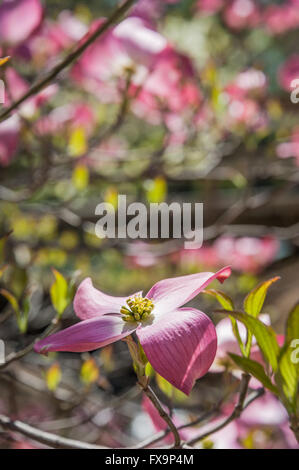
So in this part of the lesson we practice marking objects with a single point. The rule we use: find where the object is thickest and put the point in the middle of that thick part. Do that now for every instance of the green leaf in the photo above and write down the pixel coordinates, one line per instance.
(78, 142)
(59, 293)
(24, 315)
(53, 377)
(264, 334)
(255, 369)
(3, 60)
(169, 390)
(2, 269)
(227, 303)
(12, 300)
(287, 377)
(89, 372)
(292, 330)
(254, 301)
(156, 190)
(224, 300)
(80, 177)
(253, 305)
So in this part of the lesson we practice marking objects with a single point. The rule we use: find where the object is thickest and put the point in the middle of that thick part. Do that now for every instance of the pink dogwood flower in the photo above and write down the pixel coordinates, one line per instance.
(180, 343)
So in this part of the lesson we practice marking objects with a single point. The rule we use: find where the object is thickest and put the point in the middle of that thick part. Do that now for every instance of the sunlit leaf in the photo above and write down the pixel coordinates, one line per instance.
(80, 177)
(292, 330)
(222, 298)
(111, 196)
(53, 377)
(264, 335)
(255, 369)
(59, 293)
(89, 372)
(3, 241)
(227, 303)
(2, 270)
(156, 190)
(287, 376)
(4, 60)
(12, 300)
(254, 301)
(77, 142)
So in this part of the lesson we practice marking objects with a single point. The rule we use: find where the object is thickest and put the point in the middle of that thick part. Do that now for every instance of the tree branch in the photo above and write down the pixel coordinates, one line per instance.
(49, 439)
(23, 352)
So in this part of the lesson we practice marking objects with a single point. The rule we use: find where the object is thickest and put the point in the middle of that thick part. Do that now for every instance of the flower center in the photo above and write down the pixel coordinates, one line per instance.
(138, 309)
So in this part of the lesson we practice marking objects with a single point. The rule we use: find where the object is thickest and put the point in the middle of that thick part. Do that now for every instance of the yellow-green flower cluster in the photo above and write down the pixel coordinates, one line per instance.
(138, 309)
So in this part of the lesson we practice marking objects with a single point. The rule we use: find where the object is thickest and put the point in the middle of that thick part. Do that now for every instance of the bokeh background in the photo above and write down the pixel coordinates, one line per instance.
(186, 101)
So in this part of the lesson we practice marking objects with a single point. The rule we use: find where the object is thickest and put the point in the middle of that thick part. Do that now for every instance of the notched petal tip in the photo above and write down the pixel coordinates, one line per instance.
(224, 274)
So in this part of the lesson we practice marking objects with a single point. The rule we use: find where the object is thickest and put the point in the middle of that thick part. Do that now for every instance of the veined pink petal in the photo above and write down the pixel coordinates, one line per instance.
(90, 302)
(170, 294)
(180, 346)
(87, 335)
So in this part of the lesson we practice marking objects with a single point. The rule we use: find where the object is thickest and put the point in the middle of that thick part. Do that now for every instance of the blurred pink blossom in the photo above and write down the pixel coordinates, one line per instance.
(163, 80)
(66, 117)
(210, 6)
(288, 72)
(9, 139)
(241, 14)
(52, 37)
(244, 254)
(19, 19)
(160, 425)
(282, 18)
(16, 86)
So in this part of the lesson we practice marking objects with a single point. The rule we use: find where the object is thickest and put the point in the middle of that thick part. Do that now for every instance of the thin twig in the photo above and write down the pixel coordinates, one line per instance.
(23, 352)
(162, 434)
(72, 57)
